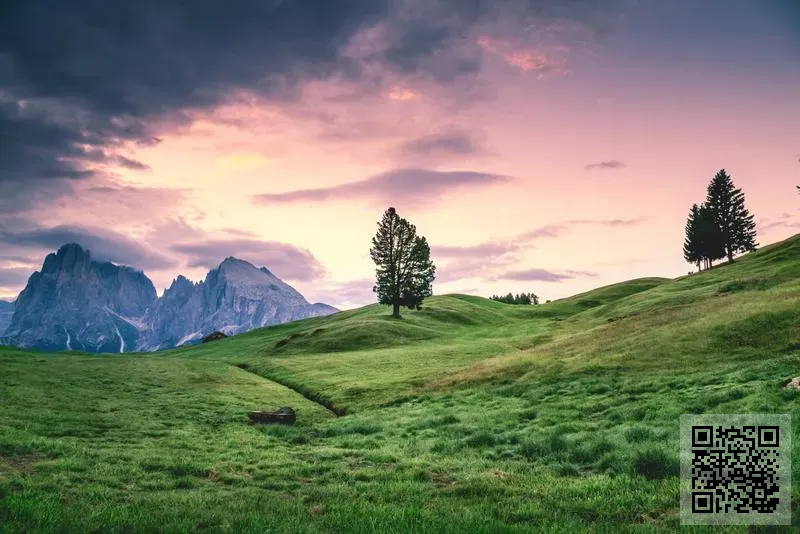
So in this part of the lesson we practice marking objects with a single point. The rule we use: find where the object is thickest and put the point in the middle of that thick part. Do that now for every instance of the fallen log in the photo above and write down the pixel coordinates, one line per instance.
(284, 416)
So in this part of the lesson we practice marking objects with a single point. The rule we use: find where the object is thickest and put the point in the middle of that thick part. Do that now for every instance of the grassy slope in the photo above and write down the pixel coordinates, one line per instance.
(469, 415)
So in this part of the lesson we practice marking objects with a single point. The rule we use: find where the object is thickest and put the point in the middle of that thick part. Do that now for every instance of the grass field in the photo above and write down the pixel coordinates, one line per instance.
(466, 416)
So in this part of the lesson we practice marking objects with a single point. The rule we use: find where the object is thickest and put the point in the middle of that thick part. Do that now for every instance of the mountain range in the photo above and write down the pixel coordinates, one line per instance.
(77, 303)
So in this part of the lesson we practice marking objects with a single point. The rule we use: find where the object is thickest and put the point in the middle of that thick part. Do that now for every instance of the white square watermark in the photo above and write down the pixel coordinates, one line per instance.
(736, 469)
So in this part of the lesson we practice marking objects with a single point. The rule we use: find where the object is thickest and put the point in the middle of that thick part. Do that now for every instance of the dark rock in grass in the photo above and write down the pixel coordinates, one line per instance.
(213, 336)
(284, 415)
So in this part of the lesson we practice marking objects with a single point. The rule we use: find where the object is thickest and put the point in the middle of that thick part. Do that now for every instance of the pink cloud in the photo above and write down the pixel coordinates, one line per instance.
(527, 58)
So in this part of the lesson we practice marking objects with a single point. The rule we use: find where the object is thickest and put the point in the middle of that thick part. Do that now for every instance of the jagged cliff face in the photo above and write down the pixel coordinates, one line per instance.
(75, 303)
(179, 308)
(80, 304)
(235, 297)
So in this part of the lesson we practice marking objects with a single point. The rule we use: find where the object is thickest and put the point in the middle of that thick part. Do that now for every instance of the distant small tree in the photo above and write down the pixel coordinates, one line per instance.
(736, 224)
(519, 298)
(404, 268)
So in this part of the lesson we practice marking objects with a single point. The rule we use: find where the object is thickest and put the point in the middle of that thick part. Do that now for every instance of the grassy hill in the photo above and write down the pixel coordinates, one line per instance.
(467, 416)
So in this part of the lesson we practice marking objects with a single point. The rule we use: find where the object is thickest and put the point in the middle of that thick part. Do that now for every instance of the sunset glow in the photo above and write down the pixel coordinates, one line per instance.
(549, 151)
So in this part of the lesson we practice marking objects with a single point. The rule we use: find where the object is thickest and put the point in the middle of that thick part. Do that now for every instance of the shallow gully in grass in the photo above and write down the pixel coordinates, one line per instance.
(313, 396)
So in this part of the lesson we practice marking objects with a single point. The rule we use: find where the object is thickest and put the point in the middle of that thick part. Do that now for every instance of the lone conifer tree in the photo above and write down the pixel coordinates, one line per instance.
(404, 268)
(734, 221)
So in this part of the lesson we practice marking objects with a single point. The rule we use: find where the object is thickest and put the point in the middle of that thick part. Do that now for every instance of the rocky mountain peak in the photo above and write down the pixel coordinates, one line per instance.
(231, 264)
(69, 257)
(180, 283)
(243, 274)
(77, 303)
(80, 304)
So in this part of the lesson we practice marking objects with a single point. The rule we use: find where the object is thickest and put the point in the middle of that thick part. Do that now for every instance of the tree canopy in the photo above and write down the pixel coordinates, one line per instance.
(726, 204)
(404, 270)
(719, 227)
(520, 298)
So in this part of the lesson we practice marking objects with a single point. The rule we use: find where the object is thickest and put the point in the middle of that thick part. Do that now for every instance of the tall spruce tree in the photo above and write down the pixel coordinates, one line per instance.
(726, 203)
(404, 268)
(692, 251)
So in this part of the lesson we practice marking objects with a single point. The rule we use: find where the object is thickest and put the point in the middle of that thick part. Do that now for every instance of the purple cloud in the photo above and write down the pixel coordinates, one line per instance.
(550, 230)
(472, 251)
(287, 261)
(105, 245)
(484, 259)
(400, 185)
(609, 164)
(782, 221)
(480, 267)
(543, 275)
(433, 148)
(607, 222)
(13, 277)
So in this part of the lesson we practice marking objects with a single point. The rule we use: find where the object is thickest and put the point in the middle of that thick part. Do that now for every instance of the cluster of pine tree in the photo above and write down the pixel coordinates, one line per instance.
(719, 227)
(521, 298)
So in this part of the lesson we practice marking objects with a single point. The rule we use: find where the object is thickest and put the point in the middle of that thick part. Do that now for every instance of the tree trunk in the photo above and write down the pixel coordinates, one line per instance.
(730, 255)
(396, 310)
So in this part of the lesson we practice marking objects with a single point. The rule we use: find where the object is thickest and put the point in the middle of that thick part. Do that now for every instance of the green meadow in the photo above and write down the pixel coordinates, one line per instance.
(469, 415)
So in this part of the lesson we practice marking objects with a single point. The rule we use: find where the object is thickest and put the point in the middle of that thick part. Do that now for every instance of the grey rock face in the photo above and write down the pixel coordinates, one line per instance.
(234, 298)
(75, 303)
(6, 313)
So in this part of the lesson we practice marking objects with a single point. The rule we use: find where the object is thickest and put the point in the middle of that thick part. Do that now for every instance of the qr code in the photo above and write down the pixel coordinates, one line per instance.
(735, 469)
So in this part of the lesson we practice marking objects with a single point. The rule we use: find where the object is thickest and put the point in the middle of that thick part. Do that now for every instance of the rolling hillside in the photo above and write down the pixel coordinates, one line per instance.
(466, 416)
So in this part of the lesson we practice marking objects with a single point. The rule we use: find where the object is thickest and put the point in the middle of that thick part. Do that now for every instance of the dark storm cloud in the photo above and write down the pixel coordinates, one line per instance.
(80, 79)
(395, 186)
(609, 164)
(287, 261)
(104, 245)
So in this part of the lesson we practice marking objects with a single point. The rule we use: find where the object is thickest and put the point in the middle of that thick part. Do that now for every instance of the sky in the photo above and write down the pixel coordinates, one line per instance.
(545, 146)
